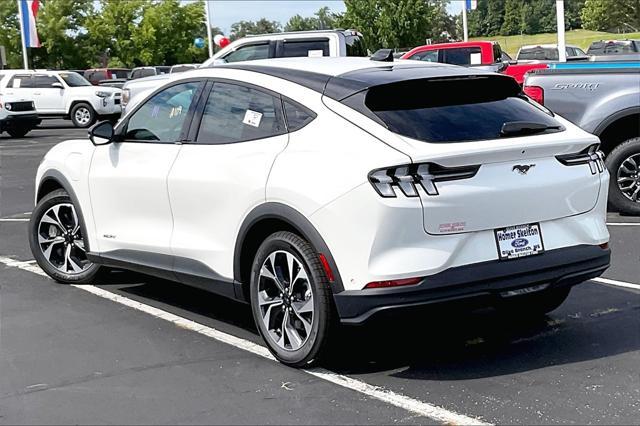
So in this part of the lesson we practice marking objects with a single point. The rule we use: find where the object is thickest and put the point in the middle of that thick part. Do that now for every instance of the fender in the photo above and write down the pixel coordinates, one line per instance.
(297, 220)
(615, 117)
(57, 177)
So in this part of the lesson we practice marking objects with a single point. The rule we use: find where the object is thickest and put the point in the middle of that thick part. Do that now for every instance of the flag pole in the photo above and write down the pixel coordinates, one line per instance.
(465, 25)
(25, 58)
(562, 51)
(209, 36)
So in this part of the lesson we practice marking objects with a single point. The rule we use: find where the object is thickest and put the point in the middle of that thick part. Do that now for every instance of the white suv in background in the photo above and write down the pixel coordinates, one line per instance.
(318, 43)
(64, 94)
(331, 189)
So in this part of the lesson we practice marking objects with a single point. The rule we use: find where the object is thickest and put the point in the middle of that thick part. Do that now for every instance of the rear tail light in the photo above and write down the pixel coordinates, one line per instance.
(535, 92)
(326, 267)
(407, 178)
(590, 155)
(393, 283)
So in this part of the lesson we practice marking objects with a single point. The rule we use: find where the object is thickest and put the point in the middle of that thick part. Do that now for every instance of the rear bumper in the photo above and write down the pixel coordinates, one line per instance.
(557, 268)
(20, 120)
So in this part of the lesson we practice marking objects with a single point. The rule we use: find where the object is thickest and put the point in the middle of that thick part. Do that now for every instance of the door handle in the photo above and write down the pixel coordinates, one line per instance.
(37, 93)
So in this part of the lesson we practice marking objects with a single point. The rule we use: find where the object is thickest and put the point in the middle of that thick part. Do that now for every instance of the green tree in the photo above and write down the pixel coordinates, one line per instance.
(512, 23)
(166, 33)
(262, 26)
(10, 33)
(607, 15)
(60, 23)
(495, 17)
(300, 23)
(398, 23)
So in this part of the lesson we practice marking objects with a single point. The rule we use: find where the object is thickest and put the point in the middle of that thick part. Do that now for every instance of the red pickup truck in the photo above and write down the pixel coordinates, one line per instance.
(472, 53)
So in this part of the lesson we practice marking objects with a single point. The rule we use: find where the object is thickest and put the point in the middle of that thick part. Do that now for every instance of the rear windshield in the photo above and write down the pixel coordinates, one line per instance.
(538, 54)
(611, 48)
(455, 109)
(182, 68)
(119, 73)
(355, 46)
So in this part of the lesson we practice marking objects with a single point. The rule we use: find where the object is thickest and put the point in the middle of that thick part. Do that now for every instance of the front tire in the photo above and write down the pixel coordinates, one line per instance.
(82, 115)
(18, 132)
(291, 299)
(624, 166)
(57, 242)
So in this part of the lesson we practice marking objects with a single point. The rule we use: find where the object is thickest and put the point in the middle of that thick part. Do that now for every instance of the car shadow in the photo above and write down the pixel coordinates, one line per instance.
(448, 342)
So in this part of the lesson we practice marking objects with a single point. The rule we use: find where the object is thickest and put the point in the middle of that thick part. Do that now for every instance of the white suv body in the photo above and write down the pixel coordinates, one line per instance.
(319, 186)
(17, 114)
(333, 43)
(63, 94)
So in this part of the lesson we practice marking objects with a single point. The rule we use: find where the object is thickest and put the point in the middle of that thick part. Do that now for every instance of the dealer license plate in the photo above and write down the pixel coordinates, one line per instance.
(519, 241)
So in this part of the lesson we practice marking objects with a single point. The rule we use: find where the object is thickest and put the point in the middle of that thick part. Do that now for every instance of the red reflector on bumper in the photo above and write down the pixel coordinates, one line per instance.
(604, 246)
(393, 283)
(326, 267)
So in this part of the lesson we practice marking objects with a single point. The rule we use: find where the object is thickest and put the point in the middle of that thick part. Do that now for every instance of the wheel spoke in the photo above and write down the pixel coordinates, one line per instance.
(303, 306)
(79, 244)
(264, 299)
(294, 337)
(291, 263)
(76, 268)
(43, 240)
(55, 220)
(267, 315)
(305, 323)
(47, 253)
(301, 277)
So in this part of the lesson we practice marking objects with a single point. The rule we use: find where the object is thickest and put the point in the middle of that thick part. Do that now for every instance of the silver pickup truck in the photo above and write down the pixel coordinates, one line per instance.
(603, 99)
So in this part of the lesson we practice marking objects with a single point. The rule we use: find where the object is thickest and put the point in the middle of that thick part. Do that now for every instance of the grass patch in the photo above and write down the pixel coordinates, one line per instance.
(580, 38)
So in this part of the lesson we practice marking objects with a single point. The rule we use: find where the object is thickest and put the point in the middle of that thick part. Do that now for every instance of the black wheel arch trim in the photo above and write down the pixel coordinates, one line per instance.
(615, 117)
(274, 210)
(61, 180)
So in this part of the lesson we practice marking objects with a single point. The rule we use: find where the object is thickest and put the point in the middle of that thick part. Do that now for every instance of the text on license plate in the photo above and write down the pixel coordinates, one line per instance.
(519, 241)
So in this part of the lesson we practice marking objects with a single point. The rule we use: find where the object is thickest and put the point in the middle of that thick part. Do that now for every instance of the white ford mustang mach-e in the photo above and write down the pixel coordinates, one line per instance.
(326, 190)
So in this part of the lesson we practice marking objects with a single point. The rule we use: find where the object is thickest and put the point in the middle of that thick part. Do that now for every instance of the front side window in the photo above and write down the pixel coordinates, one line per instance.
(293, 48)
(428, 56)
(162, 117)
(235, 113)
(249, 53)
(44, 81)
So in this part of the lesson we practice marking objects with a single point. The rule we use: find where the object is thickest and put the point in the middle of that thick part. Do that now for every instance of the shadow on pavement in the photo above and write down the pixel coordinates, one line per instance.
(441, 343)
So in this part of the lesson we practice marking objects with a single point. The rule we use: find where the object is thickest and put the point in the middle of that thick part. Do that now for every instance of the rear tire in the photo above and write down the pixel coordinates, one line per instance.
(18, 132)
(294, 318)
(624, 166)
(82, 115)
(534, 304)
(57, 242)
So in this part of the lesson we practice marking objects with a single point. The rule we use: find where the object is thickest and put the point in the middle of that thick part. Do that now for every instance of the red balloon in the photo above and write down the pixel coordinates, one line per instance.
(224, 42)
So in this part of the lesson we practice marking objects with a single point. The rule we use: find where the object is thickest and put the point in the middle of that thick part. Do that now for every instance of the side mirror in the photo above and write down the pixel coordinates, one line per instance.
(101, 133)
(57, 85)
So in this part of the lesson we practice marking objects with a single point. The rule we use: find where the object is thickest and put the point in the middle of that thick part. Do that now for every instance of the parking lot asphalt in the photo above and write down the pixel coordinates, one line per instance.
(73, 356)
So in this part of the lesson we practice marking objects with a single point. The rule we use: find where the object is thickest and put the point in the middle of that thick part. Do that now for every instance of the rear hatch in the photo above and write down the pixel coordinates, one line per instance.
(485, 156)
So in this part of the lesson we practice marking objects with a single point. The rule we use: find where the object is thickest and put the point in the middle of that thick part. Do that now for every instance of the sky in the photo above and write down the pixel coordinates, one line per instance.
(226, 12)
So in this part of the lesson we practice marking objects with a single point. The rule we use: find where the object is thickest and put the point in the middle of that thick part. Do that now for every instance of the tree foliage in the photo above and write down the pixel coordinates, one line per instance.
(10, 33)
(398, 23)
(323, 19)
(607, 15)
(261, 26)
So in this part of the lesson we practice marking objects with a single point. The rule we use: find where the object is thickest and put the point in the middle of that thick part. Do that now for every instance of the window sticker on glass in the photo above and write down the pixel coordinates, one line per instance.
(252, 118)
(16, 83)
(315, 53)
(476, 58)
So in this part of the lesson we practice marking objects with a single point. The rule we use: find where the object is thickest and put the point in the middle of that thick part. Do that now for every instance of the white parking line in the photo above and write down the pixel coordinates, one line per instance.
(15, 220)
(624, 224)
(396, 399)
(617, 283)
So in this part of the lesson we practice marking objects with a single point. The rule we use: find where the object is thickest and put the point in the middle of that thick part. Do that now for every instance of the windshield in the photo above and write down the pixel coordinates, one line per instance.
(454, 109)
(611, 48)
(74, 79)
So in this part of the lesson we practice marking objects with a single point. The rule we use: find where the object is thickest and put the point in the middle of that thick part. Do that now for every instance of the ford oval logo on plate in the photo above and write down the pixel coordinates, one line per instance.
(519, 242)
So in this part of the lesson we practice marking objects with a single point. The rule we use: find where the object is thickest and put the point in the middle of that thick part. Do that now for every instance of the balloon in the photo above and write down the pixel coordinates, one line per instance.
(217, 38)
(224, 42)
(199, 42)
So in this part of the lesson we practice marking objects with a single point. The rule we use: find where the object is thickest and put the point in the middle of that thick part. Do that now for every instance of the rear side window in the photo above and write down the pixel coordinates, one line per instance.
(538, 54)
(21, 82)
(454, 109)
(235, 113)
(462, 56)
(294, 48)
(297, 116)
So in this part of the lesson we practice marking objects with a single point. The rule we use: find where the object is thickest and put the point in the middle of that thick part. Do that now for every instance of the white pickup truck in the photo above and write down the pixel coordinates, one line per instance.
(266, 46)
(63, 94)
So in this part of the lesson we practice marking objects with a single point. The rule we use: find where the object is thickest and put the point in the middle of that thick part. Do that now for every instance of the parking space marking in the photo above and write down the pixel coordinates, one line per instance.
(617, 283)
(15, 220)
(624, 224)
(393, 398)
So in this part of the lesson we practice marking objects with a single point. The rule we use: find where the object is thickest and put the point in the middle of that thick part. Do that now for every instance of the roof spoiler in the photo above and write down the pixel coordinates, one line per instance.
(383, 55)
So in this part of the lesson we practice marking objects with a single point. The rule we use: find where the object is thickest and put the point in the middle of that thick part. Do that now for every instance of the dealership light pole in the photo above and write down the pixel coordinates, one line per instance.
(465, 25)
(562, 51)
(209, 37)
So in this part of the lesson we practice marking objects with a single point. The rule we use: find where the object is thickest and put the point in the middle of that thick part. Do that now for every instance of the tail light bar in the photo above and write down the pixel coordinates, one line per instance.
(590, 155)
(393, 283)
(407, 177)
(535, 92)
